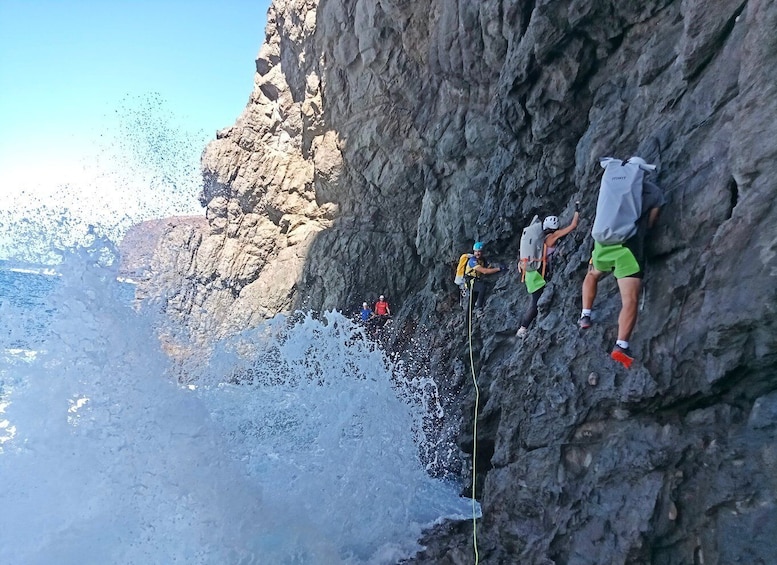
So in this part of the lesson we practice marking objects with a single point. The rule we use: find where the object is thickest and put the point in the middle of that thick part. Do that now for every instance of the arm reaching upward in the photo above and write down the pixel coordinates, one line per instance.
(552, 238)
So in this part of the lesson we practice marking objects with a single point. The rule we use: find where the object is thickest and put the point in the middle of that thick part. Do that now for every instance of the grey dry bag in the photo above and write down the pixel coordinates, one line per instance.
(620, 200)
(532, 250)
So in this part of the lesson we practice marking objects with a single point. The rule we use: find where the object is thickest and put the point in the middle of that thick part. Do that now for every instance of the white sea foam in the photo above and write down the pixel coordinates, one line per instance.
(46, 271)
(295, 442)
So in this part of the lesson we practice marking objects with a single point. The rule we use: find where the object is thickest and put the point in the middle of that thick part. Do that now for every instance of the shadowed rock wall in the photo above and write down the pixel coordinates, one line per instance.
(383, 136)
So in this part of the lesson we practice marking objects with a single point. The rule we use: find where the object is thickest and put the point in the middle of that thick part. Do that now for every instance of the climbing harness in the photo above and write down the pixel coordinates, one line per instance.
(474, 425)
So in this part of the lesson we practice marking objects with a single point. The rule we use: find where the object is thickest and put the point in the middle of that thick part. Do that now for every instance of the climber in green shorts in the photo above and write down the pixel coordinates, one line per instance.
(536, 280)
(625, 260)
(618, 259)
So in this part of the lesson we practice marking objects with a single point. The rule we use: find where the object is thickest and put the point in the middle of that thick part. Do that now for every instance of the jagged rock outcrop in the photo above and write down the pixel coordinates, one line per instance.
(139, 246)
(383, 136)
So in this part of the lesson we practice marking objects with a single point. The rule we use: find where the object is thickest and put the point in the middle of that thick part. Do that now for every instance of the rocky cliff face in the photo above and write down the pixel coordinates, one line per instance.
(139, 244)
(383, 136)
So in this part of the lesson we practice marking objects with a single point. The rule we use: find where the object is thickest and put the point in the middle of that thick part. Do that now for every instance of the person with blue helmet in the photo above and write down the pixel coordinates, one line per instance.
(477, 267)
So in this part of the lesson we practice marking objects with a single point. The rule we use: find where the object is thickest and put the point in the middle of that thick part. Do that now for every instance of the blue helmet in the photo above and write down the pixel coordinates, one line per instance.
(478, 246)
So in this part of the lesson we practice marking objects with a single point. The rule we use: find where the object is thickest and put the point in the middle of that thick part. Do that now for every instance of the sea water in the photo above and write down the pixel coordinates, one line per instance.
(296, 442)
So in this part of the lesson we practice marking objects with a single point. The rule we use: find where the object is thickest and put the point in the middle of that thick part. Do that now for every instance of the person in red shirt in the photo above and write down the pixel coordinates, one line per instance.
(382, 312)
(382, 307)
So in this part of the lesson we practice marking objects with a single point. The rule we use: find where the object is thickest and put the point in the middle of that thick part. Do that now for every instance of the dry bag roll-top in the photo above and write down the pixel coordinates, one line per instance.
(532, 253)
(461, 269)
(620, 200)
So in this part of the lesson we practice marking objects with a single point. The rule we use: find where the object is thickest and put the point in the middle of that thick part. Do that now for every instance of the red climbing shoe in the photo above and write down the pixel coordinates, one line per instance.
(622, 356)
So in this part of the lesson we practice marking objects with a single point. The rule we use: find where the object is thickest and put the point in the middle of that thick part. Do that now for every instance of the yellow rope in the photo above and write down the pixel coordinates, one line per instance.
(474, 426)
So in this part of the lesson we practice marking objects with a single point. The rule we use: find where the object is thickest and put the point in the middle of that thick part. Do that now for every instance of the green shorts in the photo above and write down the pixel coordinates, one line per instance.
(619, 258)
(534, 281)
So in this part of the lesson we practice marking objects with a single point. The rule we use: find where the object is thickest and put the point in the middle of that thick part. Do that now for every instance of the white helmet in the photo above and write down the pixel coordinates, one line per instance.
(381, 297)
(364, 305)
(550, 223)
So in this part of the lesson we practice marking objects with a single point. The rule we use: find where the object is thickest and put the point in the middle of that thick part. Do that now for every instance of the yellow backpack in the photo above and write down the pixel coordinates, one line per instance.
(461, 269)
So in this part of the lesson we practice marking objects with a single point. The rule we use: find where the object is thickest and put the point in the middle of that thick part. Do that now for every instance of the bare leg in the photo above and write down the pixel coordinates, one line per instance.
(589, 287)
(629, 288)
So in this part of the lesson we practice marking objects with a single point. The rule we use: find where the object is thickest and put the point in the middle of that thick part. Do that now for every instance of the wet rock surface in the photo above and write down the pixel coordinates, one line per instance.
(383, 136)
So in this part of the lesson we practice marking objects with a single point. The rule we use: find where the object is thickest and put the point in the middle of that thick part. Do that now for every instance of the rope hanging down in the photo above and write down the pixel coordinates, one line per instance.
(475, 423)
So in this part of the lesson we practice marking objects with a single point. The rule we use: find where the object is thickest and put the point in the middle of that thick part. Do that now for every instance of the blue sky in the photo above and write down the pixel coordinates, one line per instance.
(85, 84)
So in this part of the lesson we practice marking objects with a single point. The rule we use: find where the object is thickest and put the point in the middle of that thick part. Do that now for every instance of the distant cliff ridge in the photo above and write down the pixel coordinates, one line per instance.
(139, 244)
(383, 136)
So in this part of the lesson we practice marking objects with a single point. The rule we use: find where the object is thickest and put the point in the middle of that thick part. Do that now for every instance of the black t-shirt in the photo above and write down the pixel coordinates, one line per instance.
(652, 197)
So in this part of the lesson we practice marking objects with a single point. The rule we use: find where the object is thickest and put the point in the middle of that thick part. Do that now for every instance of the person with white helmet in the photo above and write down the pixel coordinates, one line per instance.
(382, 307)
(536, 280)
(625, 260)
(380, 314)
(365, 313)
